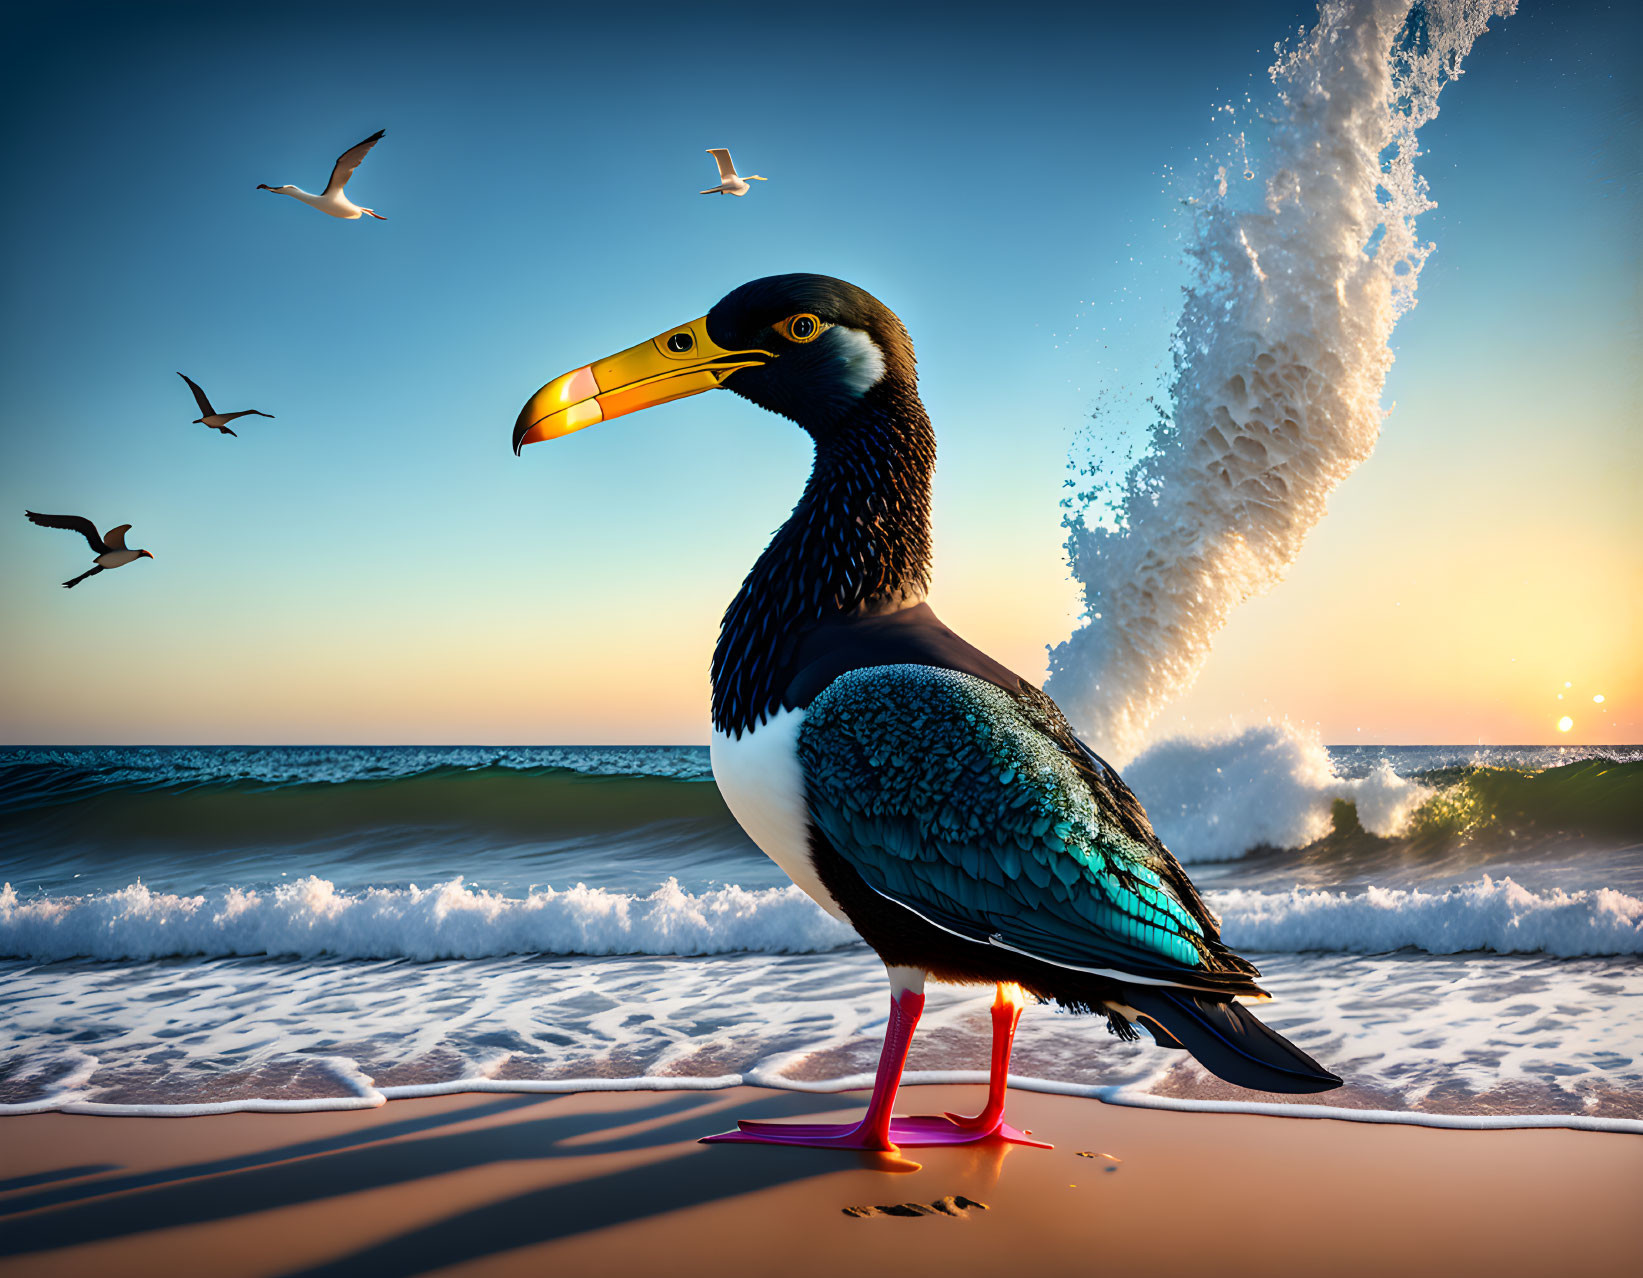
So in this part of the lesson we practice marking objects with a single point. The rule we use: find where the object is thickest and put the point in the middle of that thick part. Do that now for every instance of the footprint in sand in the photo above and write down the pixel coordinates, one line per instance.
(952, 1205)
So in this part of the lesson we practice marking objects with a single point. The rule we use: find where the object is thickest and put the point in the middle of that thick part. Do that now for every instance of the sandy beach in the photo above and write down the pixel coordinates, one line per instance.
(616, 1182)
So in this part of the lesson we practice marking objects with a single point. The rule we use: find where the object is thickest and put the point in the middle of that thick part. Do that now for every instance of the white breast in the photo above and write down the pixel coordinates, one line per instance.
(762, 783)
(337, 205)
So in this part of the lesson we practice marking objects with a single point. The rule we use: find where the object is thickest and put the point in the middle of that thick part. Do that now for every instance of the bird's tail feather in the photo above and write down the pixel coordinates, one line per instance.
(1228, 1040)
(90, 572)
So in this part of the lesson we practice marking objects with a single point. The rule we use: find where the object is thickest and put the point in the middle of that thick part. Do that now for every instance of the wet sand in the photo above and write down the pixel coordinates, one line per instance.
(616, 1183)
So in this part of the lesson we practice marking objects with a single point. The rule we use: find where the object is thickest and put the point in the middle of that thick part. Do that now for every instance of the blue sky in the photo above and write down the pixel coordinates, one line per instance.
(375, 565)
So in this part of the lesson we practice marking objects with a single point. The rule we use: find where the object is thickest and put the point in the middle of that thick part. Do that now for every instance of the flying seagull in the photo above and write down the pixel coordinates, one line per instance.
(333, 201)
(110, 548)
(729, 183)
(211, 417)
(914, 787)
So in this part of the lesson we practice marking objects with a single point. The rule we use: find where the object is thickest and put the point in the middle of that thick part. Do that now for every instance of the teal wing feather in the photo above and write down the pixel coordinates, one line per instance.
(975, 808)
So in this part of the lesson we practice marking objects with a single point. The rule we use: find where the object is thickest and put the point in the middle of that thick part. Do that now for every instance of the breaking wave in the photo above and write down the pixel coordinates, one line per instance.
(50, 804)
(1211, 798)
(312, 918)
(1218, 798)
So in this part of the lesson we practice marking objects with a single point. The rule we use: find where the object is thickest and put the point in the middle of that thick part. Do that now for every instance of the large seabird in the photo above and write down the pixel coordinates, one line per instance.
(110, 548)
(729, 182)
(914, 787)
(211, 417)
(332, 200)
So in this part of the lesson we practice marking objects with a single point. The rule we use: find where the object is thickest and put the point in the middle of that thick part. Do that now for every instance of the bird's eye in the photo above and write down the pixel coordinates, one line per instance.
(801, 328)
(679, 343)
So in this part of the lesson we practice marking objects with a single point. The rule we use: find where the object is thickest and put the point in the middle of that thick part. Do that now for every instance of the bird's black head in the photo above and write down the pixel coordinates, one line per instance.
(810, 347)
(836, 345)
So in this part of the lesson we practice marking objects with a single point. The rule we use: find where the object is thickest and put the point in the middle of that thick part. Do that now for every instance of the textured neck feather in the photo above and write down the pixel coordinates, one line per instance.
(858, 541)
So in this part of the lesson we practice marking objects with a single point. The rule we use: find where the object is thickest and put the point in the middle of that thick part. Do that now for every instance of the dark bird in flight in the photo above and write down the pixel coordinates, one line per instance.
(110, 548)
(915, 788)
(211, 417)
(332, 200)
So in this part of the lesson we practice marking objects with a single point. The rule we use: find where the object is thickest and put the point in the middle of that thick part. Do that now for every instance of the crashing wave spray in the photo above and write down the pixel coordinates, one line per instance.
(1280, 357)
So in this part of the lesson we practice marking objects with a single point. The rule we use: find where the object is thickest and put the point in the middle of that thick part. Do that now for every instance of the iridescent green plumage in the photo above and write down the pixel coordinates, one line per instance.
(948, 795)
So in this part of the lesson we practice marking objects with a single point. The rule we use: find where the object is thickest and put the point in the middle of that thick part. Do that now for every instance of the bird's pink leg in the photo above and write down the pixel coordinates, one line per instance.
(906, 1006)
(1006, 1016)
(876, 1130)
(954, 1129)
(1007, 1007)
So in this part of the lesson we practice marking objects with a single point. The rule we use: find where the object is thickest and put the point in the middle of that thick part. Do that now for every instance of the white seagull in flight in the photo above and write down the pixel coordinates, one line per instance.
(333, 201)
(729, 183)
(211, 417)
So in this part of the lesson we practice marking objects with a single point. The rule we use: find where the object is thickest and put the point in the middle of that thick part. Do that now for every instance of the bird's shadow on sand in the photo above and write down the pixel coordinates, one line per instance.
(412, 1150)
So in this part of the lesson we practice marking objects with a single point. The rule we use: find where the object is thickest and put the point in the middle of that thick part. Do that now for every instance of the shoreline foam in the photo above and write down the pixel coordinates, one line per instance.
(371, 1097)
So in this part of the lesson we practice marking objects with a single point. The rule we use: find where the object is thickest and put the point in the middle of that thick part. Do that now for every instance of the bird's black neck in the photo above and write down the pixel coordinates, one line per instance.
(858, 543)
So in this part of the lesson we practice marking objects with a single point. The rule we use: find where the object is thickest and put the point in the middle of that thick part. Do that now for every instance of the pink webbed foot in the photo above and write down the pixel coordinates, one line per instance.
(982, 1128)
(812, 1135)
(955, 1129)
(922, 1129)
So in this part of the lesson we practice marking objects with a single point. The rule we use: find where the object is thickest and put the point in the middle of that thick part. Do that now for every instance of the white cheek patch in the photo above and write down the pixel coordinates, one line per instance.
(861, 362)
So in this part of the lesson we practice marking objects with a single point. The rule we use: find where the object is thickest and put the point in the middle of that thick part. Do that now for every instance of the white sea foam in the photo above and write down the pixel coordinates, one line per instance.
(1413, 1118)
(1215, 798)
(1281, 355)
(1486, 915)
(311, 918)
(1539, 1042)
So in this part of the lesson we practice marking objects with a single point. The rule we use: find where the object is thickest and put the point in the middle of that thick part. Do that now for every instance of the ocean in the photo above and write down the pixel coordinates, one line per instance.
(1456, 931)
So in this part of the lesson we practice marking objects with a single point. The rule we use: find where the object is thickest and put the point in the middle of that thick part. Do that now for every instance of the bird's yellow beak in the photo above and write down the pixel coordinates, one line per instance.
(682, 361)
